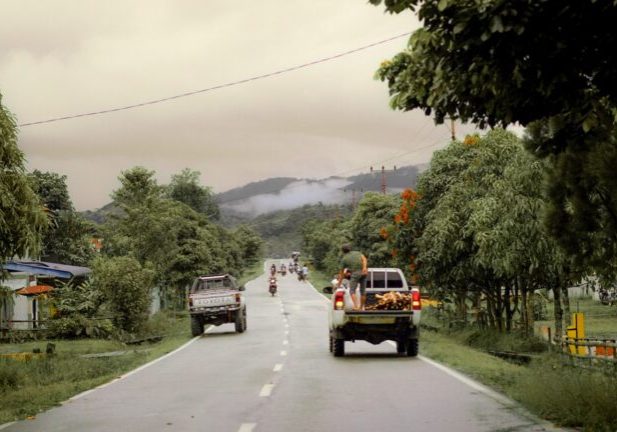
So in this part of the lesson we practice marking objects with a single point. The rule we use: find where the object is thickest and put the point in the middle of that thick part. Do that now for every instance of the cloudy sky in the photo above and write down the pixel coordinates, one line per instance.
(62, 58)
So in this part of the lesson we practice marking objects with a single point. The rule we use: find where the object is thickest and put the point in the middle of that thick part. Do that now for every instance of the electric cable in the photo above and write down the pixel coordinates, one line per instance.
(217, 87)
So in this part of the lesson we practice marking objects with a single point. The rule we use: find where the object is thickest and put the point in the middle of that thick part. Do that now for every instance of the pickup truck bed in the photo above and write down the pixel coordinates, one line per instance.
(376, 326)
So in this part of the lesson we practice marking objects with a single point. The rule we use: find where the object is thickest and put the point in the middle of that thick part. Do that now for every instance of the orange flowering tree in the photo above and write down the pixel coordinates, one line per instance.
(402, 233)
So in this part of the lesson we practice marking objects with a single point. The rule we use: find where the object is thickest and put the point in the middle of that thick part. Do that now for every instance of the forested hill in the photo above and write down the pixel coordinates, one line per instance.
(282, 230)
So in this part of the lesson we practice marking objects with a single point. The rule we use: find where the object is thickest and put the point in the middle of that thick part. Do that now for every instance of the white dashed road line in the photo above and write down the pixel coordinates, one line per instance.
(283, 353)
(247, 427)
(266, 390)
(278, 367)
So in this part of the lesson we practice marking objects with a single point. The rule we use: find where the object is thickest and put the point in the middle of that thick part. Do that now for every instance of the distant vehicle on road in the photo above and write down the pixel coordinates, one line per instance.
(216, 300)
(376, 326)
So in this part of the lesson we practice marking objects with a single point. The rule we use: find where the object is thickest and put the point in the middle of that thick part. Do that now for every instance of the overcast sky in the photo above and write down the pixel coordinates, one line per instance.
(69, 57)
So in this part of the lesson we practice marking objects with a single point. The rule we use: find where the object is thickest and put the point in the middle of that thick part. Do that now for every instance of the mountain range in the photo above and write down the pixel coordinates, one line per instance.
(285, 193)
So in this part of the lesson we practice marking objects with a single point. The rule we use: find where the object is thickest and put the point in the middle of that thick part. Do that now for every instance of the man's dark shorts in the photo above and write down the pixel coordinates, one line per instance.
(357, 278)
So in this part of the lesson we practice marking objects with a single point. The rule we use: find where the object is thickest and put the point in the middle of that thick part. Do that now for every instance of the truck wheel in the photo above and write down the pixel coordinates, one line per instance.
(197, 326)
(339, 347)
(412, 347)
(401, 347)
(240, 321)
(331, 344)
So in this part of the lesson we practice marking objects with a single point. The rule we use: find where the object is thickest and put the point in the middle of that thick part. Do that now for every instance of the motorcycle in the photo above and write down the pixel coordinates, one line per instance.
(272, 286)
(283, 270)
(608, 297)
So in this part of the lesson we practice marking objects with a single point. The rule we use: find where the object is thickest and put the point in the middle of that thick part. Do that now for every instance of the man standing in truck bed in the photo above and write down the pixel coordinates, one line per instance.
(356, 263)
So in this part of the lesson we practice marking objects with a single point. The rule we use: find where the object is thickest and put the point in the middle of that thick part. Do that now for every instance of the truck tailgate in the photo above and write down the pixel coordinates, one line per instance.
(377, 317)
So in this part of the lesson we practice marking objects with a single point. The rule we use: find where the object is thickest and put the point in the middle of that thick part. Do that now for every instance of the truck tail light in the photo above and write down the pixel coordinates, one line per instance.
(339, 300)
(237, 298)
(416, 302)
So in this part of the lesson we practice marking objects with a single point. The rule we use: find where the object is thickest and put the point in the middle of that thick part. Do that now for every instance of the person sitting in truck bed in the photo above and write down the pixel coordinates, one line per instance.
(357, 264)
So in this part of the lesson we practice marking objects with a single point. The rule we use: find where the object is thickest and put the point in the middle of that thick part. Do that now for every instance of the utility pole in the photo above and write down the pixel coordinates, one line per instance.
(384, 180)
(452, 129)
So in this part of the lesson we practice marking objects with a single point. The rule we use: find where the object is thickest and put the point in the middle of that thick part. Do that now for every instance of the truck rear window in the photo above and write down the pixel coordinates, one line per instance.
(382, 279)
(202, 285)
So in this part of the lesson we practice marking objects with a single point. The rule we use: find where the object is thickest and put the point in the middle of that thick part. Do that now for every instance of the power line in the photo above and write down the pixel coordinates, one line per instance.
(217, 87)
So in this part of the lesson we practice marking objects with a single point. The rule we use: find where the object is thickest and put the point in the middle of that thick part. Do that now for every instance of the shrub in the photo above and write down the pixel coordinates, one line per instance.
(10, 378)
(574, 397)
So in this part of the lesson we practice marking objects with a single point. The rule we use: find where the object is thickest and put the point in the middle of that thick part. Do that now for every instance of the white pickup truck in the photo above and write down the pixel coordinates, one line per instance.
(216, 299)
(375, 326)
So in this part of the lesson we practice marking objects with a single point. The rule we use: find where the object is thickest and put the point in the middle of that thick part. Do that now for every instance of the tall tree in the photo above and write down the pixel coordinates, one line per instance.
(138, 187)
(22, 219)
(68, 238)
(498, 63)
(185, 187)
(374, 214)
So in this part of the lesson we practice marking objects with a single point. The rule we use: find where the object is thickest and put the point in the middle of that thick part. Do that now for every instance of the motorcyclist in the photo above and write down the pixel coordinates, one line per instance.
(273, 269)
(283, 269)
(272, 285)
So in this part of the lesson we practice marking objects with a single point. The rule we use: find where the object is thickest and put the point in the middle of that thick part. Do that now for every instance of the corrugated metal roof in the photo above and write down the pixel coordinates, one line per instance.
(61, 271)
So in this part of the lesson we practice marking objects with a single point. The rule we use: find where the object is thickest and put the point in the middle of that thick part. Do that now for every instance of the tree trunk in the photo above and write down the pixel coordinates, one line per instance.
(508, 308)
(524, 314)
(499, 309)
(490, 311)
(558, 314)
(461, 305)
(565, 300)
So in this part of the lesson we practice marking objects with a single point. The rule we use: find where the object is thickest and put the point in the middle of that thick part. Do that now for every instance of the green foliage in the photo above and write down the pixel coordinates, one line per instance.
(126, 286)
(51, 189)
(250, 244)
(79, 312)
(322, 240)
(480, 223)
(282, 229)
(185, 188)
(138, 187)
(497, 63)
(68, 238)
(374, 214)
(22, 219)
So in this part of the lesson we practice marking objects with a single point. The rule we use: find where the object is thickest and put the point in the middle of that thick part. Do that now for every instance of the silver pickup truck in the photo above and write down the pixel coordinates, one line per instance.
(375, 326)
(216, 300)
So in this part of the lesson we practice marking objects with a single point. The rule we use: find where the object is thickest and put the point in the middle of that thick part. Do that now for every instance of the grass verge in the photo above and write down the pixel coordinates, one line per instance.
(548, 387)
(30, 387)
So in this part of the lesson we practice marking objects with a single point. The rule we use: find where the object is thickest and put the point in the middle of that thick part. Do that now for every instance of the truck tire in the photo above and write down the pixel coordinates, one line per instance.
(412, 347)
(401, 347)
(197, 326)
(240, 321)
(339, 347)
(331, 344)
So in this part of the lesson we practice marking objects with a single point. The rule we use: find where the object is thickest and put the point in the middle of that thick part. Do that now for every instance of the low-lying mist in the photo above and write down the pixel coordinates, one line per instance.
(294, 195)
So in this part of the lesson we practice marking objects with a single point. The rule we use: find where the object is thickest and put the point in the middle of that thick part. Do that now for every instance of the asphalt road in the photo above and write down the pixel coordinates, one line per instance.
(280, 376)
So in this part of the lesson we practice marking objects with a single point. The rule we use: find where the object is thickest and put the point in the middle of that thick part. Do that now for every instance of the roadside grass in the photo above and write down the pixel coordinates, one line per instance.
(251, 272)
(30, 387)
(319, 280)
